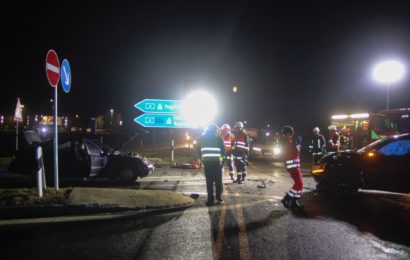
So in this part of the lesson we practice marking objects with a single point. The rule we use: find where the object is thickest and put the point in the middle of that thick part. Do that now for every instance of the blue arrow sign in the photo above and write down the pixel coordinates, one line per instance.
(162, 120)
(65, 76)
(159, 106)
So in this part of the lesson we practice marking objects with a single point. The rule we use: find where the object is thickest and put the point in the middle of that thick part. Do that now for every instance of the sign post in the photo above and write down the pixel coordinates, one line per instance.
(53, 76)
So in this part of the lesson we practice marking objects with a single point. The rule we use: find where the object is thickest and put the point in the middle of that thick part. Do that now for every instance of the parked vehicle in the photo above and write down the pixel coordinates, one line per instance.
(265, 148)
(381, 165)
(81, 157)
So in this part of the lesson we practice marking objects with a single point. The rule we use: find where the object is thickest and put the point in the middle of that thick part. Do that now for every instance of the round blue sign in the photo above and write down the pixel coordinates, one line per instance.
(65, 76)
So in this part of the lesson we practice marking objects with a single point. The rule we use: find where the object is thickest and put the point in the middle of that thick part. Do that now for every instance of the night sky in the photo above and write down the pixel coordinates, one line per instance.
(294, 63)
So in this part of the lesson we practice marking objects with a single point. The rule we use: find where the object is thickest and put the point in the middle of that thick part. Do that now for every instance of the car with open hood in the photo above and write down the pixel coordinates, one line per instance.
(82, 157)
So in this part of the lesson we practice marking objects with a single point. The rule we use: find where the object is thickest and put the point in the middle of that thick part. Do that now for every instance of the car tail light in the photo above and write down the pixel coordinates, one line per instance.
(318, 169)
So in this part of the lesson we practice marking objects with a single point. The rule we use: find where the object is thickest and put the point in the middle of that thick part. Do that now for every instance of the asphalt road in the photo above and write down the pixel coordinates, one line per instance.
(251, 224)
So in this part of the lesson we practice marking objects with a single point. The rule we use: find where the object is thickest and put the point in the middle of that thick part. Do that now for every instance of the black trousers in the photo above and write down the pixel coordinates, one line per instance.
(213, 174)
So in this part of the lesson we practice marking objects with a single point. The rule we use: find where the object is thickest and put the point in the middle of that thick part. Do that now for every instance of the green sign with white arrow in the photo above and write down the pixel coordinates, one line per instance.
(159, 106)
(162, 120)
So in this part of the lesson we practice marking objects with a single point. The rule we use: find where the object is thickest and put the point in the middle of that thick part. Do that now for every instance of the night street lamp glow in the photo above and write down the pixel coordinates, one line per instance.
(199, 108)
(388, 71)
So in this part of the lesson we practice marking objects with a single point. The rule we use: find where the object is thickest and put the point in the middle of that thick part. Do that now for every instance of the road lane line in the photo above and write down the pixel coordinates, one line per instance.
(220, 234)
(244, 251)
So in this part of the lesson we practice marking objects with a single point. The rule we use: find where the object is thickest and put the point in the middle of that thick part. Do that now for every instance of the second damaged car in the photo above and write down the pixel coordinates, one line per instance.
(83, 158)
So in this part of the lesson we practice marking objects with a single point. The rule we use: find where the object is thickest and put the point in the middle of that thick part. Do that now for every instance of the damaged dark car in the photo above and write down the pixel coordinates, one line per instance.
(382, 165)
(80, 157)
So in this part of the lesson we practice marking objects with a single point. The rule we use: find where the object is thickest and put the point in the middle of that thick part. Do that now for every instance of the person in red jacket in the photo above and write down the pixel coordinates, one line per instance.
(240, 147)
(291, 149)
(228, 138)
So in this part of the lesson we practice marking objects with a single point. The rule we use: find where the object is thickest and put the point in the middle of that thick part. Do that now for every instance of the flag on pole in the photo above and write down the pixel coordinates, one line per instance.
(18, 115)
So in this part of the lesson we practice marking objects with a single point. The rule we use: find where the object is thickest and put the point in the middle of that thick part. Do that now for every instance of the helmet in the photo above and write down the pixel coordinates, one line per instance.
(226, 128)
(211, 129)
(239, 125)
(316, 130)
(287, 130)
(332, 127)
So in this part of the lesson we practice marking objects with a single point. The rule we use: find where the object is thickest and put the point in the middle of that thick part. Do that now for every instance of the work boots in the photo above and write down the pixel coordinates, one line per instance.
(232, 178)
(296, 206)
(239, 178)
(243, 177)
(287, 201)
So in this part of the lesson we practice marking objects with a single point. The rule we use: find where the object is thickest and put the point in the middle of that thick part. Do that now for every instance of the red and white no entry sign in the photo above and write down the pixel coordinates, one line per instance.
(52, 68)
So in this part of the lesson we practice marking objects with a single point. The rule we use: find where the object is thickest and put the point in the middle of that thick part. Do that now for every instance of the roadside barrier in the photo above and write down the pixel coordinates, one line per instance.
(41, 176)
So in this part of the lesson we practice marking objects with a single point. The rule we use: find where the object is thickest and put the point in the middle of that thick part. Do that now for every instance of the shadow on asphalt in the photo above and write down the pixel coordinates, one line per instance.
(385, 215)
(55, 240)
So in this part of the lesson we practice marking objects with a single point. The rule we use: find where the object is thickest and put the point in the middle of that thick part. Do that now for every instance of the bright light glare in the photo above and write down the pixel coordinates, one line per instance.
(199, 108)
(336, 117)
(276, 150)
(388, 71)
(257, 149)
(362, 115)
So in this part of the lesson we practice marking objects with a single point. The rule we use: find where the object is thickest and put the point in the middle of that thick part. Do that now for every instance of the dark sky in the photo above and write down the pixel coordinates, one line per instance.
(294, 63)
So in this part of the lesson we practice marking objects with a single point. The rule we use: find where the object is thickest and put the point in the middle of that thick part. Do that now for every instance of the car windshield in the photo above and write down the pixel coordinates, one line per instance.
(371, 146)
(264, 141)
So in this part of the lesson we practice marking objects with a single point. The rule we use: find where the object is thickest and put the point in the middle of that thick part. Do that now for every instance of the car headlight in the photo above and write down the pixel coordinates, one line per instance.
(257, 149)
(276, 150)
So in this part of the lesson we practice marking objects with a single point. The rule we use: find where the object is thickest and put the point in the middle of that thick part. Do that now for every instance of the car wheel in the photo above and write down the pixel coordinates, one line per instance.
(126, 175)
(337, 190)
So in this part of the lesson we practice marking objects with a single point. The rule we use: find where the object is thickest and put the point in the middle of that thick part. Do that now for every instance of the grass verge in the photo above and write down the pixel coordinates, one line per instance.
(29, 197)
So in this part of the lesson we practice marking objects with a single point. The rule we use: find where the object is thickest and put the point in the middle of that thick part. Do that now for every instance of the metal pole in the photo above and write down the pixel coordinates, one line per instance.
(17, 136)
(172, 150)
(388, 96)
(39, 155)
(55, 140)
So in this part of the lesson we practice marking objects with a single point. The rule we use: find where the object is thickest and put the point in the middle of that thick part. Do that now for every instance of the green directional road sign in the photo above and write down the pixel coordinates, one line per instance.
(162, 120)
(159, 106)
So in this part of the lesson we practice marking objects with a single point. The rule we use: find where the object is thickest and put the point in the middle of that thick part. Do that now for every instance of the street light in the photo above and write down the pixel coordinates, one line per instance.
(112, 112)
(234, 89)
(388, 72)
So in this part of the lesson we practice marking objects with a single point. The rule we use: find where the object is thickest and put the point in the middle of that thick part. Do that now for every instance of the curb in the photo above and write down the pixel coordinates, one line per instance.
(108, 215)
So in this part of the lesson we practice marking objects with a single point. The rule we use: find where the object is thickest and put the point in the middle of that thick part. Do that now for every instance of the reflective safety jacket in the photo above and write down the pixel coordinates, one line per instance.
(318, 145)
(211, 148)
(291, 154)
(240, 144)
(228, 139)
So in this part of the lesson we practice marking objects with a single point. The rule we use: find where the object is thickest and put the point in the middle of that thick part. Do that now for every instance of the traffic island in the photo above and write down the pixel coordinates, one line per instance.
(24, 204)
(124, 198)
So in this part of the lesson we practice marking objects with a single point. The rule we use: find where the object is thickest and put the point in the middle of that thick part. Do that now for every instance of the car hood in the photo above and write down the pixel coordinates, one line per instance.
(347, 154)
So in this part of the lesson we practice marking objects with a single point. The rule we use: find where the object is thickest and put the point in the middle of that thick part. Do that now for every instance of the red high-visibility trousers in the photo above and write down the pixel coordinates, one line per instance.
(296, 190)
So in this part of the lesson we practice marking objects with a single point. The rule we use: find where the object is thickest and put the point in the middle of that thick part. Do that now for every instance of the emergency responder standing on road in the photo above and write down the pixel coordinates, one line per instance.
(228, 138)
(318, 145)
(211, 148)
(334, 139)
(240, 152)
(291, 150)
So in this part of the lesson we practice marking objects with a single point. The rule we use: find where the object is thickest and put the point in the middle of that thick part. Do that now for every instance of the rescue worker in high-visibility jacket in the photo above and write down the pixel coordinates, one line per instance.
(318, 145)
(291, 150)
(211, 148)
(240, 146)
(228, 138)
